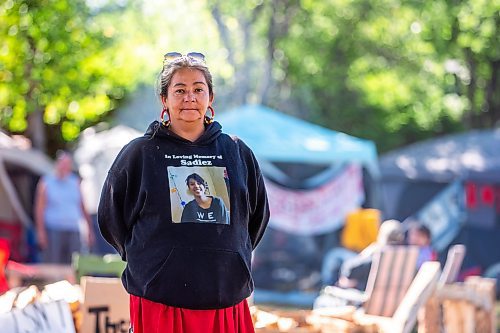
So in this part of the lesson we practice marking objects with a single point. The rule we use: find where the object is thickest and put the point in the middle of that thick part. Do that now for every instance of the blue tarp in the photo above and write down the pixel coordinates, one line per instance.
(286, 266)
(277, 137)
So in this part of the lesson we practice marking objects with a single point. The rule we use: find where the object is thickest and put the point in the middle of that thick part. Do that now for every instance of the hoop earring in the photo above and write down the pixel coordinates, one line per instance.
(209, 120)
(165, 122)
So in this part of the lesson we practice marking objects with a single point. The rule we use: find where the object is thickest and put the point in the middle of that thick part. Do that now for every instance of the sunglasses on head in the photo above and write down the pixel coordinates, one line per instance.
(174, 56)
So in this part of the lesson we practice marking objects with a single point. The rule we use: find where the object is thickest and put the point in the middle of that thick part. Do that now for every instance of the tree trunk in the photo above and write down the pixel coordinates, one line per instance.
(36, 130)
(471, 116)
(492, 95)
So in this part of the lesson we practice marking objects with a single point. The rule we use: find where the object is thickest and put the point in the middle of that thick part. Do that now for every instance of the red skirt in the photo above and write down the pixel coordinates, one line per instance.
(151, 317)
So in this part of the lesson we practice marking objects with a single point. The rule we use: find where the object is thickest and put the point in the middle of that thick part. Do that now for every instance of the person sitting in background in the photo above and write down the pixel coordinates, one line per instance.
(360, 229)
(354, 272)
(420, 235)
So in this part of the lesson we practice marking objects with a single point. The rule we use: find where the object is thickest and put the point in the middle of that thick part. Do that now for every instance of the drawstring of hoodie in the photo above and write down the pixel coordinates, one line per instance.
(156, 127)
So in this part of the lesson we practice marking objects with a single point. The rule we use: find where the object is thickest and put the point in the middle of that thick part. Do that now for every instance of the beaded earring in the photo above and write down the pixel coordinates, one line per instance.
(209, 120)
(165, 120)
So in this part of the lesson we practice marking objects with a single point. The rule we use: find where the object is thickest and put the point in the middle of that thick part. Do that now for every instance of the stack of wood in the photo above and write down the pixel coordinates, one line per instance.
(340, 319)
(461, 308)
(333, 320)
(276, 321)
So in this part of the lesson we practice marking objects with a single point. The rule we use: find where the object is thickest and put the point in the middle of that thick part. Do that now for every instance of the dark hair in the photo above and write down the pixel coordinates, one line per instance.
(424, 230)
(169, 69)
(197, 178)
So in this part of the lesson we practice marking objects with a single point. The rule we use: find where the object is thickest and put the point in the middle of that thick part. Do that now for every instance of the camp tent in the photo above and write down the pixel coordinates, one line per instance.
(275, 136)
(415, 180)
(298, 155)
(95, 152)
(20, 169)
(297, 159)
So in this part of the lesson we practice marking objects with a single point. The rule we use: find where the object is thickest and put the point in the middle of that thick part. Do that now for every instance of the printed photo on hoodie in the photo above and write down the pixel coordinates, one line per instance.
(199, 194)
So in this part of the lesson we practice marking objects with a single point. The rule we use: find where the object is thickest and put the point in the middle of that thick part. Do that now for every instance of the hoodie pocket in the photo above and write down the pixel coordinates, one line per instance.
(201, 279)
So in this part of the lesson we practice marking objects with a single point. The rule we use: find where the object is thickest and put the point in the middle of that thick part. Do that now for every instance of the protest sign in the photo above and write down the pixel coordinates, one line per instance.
(105, 307)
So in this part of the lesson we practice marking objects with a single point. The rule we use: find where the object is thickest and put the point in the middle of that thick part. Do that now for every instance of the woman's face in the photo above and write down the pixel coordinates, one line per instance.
(197, 189)
(188, 97)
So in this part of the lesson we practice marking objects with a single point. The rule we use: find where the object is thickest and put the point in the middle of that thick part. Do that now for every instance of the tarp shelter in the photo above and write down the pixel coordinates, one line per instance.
(20, 169)
(467, 166)
(307, 167)
(275, 136)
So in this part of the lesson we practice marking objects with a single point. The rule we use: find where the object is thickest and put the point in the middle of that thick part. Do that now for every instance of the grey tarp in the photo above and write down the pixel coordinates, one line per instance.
(471, 155)
(415, 175)
(15, 161)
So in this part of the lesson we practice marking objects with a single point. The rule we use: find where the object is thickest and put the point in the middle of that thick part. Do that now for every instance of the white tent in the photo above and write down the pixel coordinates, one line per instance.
(94, 155)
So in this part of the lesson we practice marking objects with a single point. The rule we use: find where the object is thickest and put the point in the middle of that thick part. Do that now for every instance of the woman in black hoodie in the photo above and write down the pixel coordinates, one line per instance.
(184, 277)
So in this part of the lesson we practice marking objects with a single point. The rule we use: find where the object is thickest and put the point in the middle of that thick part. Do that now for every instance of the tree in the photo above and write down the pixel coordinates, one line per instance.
(466, 41)
(384, 70)
(56, 69)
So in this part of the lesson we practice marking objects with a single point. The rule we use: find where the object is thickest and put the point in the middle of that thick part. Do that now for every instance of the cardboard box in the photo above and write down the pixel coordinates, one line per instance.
(105, 306)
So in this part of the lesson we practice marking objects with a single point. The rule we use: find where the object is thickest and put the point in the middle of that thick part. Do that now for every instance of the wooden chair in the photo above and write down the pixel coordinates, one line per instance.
(405, 316)
(392, 271)
(452, 266)
(431, 317)
(396, 310)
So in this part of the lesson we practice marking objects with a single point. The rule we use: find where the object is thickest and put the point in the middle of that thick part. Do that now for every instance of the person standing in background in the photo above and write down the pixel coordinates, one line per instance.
(59, 212)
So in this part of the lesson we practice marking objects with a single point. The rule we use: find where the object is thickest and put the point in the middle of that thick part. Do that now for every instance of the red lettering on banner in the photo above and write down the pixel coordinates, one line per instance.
(488, 195)
(470, 195)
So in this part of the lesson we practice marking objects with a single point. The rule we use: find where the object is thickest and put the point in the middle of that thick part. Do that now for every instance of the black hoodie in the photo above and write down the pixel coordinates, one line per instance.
(188, 265)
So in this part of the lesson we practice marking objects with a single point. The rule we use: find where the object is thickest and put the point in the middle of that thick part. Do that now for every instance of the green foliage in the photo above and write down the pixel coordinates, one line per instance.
(393, 71)
(57, 60)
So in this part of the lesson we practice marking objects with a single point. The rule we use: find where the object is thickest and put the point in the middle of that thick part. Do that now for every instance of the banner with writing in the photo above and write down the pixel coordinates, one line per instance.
(53, 317)
(319, 210)
(444, 215)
